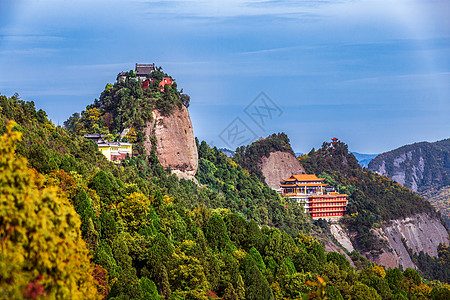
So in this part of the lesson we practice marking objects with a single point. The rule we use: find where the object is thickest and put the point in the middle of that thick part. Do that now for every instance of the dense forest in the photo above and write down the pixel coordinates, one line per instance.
(438, 197)
(74, 225)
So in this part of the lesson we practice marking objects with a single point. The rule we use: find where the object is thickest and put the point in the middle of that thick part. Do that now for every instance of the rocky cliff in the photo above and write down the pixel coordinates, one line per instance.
(419, 233)
(175, 142)
(279, 165)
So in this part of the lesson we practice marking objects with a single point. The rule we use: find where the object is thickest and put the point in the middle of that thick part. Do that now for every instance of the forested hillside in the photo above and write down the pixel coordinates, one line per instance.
(150, 235)
(244, 193)
(125, 104)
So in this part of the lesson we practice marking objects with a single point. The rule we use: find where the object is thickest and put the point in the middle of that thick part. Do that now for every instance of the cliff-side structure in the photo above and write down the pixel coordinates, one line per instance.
(311, 192)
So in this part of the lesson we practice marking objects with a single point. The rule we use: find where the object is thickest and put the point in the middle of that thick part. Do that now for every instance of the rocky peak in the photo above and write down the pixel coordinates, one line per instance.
(279, 165)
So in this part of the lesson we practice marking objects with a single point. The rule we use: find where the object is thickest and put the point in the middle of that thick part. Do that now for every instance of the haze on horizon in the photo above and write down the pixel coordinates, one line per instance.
(373, 73)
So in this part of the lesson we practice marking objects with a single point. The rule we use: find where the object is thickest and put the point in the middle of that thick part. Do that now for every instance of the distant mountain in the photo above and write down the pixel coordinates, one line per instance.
(423, 167)
(227, 152)
(418, 166)
(364, 159)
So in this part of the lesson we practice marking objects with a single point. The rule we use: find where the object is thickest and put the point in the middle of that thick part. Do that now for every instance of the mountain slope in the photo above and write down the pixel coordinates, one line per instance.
(154, 236)
(377, 207)
(422, 167)
(270, 159)
(279, 165)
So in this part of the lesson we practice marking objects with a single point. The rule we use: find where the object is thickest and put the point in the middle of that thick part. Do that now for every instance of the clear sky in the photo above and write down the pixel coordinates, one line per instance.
(375, 73)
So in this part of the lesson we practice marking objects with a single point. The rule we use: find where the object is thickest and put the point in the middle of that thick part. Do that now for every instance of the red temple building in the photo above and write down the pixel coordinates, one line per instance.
(310, 191)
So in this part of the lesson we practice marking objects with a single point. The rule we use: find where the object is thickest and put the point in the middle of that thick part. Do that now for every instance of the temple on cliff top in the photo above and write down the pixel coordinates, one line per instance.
(310, 191)
(143, 72)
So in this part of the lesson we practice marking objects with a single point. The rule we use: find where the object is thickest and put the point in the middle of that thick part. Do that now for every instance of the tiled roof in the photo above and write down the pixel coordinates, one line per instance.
(103, 143)
(304, 184)
(304, 177)
(329, 195)
(144, 69)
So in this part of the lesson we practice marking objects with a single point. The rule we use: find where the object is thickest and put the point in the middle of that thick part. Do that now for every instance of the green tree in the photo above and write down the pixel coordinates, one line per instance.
(339, 260)
(362, 291)
(216, 232)
(187, 273)
(135, 211)
(102, 184)
(257, 286)
(257, 258)
(149, 291)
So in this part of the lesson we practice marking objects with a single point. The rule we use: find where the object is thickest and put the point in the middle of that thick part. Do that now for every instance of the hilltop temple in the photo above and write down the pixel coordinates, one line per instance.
(310, 191)
(143, 72)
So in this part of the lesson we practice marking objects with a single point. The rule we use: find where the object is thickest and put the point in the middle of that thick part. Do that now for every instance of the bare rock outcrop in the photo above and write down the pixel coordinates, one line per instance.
(331, 246)
(279, 165)
(175, 142)
(420, 233)
(394, 254)
(341, 236)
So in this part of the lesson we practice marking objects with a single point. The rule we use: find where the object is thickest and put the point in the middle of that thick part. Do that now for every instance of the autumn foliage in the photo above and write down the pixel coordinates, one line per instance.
(42, 254)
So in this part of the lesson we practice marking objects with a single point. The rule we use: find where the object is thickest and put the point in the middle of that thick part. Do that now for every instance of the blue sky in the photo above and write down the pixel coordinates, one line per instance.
(375, 73)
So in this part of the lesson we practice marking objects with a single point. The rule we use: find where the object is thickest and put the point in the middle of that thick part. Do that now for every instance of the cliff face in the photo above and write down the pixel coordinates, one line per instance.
(279, 165)
(176, 148)
(420, 233)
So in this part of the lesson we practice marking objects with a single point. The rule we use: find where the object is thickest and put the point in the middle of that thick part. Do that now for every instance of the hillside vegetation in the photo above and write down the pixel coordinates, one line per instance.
(440, 199)
(125, 105)
(153, 236)
(373, 199)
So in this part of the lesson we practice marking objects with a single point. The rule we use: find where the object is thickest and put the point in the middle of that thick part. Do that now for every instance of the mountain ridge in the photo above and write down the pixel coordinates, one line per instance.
(423, 167)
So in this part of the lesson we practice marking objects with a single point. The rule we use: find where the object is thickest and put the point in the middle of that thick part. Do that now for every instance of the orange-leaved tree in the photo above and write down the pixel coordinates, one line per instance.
(42, 254)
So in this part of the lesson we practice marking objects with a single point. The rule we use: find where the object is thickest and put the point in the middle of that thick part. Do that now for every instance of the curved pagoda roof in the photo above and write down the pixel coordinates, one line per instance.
(304, 177)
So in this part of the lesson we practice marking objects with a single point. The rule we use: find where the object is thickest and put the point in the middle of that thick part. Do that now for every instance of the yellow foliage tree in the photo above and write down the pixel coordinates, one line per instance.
(132, 135)
(134, 210)
(379, 271)
(187, 275)
(42, 254)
